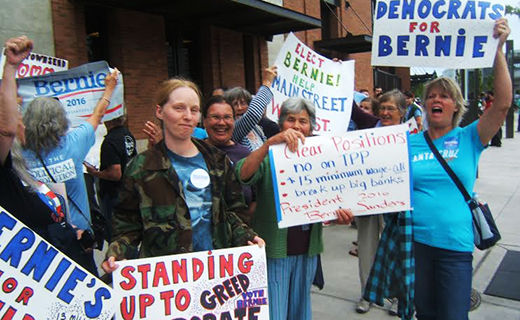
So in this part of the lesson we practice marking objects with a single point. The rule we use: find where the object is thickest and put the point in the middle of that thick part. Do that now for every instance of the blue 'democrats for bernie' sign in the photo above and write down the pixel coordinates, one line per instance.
(435, 33)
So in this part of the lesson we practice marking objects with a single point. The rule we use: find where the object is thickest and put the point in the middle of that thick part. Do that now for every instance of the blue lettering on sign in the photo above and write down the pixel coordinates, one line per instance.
(437, 14)
(401, 45)
(6, 222)
(392, 12)
(58, 274)
(59, 87)
(497, 9)
(384, 46)
(408, 9)
(470, 9)
(424, 9)
(40, 260)
(442, 44)
(477, 46)
(21, 241)
(461, 43)
(93, 310)
(453, 9)
(483, 8)
(71, 283)
(421, 42)
(381, 9)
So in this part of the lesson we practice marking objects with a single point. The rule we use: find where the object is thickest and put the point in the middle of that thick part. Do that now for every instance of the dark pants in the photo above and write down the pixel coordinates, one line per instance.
(107, 205)
(496, 141)
(442, 283)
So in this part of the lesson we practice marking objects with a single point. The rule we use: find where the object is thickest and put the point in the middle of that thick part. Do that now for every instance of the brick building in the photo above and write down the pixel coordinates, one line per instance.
(214, 42)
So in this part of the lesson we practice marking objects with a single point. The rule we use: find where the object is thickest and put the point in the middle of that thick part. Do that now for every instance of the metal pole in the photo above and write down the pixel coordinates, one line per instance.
(510, 119)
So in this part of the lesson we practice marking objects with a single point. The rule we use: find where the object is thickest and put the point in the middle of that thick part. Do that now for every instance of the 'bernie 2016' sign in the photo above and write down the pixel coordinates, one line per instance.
(426, 33)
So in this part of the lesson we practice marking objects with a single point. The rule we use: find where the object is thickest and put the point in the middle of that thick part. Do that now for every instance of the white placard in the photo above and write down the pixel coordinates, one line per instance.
(40, 282)
(219, 284)
(367, 171)
(36, 64)
(79, 90)
(327, 84)
(438, 34)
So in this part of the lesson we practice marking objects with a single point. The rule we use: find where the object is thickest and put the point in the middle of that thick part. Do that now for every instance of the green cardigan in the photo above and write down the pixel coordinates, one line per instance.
(264, 221)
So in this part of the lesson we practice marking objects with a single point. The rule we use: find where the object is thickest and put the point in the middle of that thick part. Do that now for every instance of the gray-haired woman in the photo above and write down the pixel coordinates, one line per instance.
(291, 252)
(54, 154)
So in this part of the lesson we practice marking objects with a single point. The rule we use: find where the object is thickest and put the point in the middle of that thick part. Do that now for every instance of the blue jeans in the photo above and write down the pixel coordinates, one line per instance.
(290, 280)
(442, 283)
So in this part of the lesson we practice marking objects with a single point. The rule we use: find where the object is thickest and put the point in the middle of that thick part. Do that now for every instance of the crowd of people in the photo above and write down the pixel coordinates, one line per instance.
(186, 194)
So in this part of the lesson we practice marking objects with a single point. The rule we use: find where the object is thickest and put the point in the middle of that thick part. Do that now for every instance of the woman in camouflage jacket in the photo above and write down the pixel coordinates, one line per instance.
(181, 195)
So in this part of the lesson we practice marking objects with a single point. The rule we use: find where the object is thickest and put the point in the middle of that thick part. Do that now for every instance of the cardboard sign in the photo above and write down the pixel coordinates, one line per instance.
(79, 90)
(367, 171)
(220, 284)
(39, 282)
(327, 84)
(36, 64)
(438, 34)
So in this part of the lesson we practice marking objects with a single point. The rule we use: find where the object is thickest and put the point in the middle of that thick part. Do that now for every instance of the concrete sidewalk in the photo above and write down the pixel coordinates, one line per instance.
(498, 184)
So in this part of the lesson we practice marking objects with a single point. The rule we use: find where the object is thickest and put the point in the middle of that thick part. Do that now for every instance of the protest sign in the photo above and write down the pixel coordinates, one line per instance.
(412, 125)
(440, 34)
(79, 90)
(209, 285)
(36, 64)
(39, 282)
(327, 84)
(367, 171)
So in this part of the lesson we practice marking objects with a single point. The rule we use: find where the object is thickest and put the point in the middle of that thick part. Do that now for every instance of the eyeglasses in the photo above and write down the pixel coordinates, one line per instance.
(389, 109)
(215, 118)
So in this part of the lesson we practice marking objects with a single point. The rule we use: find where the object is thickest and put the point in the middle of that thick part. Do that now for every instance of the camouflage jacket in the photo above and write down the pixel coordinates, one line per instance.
(152, 210)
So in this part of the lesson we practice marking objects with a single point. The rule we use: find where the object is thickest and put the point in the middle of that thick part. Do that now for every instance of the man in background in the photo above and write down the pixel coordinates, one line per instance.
(117, 149)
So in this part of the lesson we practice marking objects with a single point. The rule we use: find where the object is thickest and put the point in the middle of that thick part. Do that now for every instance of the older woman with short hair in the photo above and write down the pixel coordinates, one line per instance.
(55, 154)
(291, 252)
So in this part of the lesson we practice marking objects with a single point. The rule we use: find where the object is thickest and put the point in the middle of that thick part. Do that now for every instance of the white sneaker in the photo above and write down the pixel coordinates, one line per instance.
(393, 308)
(362, 306)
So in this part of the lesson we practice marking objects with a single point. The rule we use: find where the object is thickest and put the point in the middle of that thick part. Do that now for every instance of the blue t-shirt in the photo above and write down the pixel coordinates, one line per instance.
(441, 217)
(65, 163)
(193, 173)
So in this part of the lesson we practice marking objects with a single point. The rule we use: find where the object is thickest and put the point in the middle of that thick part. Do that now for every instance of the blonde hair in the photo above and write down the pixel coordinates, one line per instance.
(447, 85)
(162, 95)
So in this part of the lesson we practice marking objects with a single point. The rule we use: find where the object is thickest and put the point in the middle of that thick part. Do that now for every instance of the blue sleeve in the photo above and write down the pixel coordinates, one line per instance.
(81, 139)
(475, 137)
(254, 113)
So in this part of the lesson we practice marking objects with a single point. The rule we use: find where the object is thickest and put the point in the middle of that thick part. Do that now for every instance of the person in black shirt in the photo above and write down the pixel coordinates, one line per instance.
(116, 150)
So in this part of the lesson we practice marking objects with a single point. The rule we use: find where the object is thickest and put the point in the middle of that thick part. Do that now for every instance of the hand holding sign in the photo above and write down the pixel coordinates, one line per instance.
(501, 31)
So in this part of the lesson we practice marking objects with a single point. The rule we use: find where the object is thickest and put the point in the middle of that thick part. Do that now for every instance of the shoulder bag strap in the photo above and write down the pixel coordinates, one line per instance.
(446, 167)
(69, 198)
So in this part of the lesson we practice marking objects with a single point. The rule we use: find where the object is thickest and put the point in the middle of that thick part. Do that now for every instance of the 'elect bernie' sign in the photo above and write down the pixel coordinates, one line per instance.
(429, 33)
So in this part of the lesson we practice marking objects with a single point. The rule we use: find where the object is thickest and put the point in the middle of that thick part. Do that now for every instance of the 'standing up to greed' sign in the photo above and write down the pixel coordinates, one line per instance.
(225, 284)
(441, 34)
(367, 171)
(39, 282)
